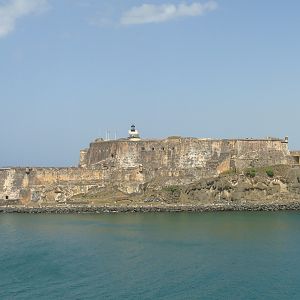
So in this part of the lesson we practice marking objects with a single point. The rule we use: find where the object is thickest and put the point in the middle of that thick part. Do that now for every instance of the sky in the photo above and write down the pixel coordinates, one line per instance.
(72, 69)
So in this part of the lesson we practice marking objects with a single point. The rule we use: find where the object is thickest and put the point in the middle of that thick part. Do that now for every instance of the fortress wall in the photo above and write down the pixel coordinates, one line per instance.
(31, 184)
(259, 153)
(170, 153)
(10, 181)
(208, 157)
(130, 165)
(44, 176)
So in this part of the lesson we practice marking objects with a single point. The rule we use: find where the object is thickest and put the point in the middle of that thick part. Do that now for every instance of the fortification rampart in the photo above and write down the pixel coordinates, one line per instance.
(34, 184)
(206, 157)
(132, 165)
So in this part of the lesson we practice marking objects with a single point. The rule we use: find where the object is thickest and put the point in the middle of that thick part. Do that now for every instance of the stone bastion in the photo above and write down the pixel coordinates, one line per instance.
(131, 165)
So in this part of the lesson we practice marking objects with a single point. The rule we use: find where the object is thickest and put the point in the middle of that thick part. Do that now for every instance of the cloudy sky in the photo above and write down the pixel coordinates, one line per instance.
(71, 69)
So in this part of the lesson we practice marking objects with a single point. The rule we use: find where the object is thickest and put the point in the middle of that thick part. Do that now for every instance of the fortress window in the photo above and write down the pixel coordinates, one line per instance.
(6, 197)
(163, 148)
(112, 155)
(152, 149)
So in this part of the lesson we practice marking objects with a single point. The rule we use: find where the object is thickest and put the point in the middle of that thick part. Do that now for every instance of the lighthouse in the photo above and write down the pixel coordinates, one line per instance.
(133, 134)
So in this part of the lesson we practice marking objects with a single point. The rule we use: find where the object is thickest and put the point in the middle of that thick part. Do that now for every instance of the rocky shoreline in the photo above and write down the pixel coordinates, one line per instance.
(144, 209)
(265, 189)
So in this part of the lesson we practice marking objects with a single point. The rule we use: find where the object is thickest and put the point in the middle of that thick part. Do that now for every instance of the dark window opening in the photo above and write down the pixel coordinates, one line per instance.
(152, 149)
(143, 148)
(6, 197)
(173, 148)
(163, 148)
(112, 155)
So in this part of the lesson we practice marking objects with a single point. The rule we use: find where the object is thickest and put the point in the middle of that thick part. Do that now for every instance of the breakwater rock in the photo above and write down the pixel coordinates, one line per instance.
(145, 209)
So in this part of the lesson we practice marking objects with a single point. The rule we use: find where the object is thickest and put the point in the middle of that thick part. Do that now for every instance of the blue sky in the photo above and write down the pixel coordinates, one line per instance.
(70, 69)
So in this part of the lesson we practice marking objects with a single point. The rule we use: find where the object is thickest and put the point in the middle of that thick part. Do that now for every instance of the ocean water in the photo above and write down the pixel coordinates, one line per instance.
(225, 255)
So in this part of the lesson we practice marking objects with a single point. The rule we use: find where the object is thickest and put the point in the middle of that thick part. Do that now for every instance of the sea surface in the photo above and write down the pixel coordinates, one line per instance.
(219, 255)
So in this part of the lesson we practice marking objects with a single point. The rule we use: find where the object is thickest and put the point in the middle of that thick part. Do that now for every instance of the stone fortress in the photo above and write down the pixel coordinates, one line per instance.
(131, 165)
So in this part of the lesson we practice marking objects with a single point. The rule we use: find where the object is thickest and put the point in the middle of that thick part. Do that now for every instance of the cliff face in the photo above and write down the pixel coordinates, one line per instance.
(127, 170)
(284, 187)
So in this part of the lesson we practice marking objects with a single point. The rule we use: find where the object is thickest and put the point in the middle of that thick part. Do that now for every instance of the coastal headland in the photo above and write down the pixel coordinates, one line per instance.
(172, 174)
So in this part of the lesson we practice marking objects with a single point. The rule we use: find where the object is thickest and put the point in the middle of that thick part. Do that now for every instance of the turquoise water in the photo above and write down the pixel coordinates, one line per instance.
(234, 255)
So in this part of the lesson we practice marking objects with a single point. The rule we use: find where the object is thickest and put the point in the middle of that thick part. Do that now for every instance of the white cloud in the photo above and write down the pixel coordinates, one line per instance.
(150, 13)
(13, 10)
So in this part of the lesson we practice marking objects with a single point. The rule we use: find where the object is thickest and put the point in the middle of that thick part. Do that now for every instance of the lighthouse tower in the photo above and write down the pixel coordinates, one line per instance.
(133, 134)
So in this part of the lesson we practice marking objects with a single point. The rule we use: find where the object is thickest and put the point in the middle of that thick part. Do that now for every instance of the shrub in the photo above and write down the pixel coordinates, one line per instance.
(172, 189)
(250, 172)
(173, 193)
(270, 172)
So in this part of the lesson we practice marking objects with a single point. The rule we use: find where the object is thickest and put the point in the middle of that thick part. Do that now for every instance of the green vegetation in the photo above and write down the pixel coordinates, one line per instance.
(270, 172)
(172, 189)
(250, 172)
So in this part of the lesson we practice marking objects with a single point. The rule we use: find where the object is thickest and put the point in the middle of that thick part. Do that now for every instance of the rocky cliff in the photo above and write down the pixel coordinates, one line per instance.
(279, 185)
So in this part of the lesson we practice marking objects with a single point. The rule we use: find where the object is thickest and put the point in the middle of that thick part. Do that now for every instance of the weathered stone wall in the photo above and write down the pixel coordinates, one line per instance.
(47, 184)
(57, 185)
(258, 153)
(186, 156)
(133, 166)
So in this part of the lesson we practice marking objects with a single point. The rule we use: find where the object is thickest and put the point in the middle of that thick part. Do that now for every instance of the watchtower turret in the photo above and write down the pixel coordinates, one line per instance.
(133, 134)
